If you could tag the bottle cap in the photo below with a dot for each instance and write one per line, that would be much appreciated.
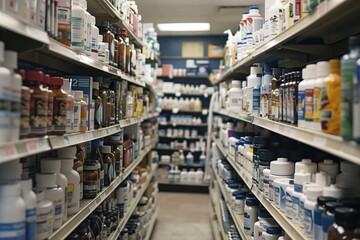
(34, 76)
(235, 84)
(251, 202)
(106, 149)
(332, 191)
(306, 165)
(267, 69)
(311, 71)
(354, 41)
(349, 168)
(56, 81)
(254, 8)
(67, 152)
(282, 167)
(240, 196)
(50, 165)
(48, 179)
(347, 217)
(11, 171)
(273, 230)
(330, 167)
(67, 164)
(312, 193)
(323, 200)
(332, 205)
(78, 95)
(302, 177)
(26, 185)
(322, 179)
(40, 194)
(322, 69)
(11, 60)
(10, 189)
(266, 154)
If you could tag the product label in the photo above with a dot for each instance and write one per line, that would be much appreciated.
(83, 118)
(44, 223)
(276, 21)
(94, 44)
(289, 206)
(317, 104)
(347, 73)
(77, 32)
(77, 115)
(69, 116)
(256, 101)
(308, 221)
(301, 105)
(292, 98)
(14, 230)
(247, 223)
(283, 199)
(90, 188)
(309, 105)
(59, 116)
(302, 213)
(271, 191)
(58, 208)
(38, 112)
(71, 200)
(296, 209)
(277, 196)
(30, 223)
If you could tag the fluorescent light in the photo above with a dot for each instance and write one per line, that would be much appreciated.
(182, 27)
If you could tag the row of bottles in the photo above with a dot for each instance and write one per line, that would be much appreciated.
(185, 104)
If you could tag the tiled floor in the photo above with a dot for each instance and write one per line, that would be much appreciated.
(183, 216)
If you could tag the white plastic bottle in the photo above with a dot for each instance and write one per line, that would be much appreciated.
(12, 208)
(254, 20)
(77, 26)
(250, 215)
(5, 96)
(15, 87)
(94, 38)
(101, 49)
(87, 28)
(322, 71)
(44, 216)
(349, 179)
(330, 167)
(289, 200)
(199, 175)
(234, 95)
(73, 187)
(276, 16)
(191, 175)
(265, 92)
(177, 174)
(307, 166)
(78, 95)
(309, 96)
(29, 198)
(312, 194)
(53, 165)
(301, 99)
(70, 101)
(184, 177)
(272, 233)
(300, 178)
(281, 168)
(53, 193)
(254, 79)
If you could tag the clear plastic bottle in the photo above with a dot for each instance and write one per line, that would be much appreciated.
(77, 26)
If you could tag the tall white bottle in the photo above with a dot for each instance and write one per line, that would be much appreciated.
(322, 71)
(78, 26)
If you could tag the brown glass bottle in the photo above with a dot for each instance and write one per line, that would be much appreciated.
(122, 48)
(116, 47)
(108, 159)
(128, 56)
(50, 105)
(99, 109)
(59, 113)
(346, 221)
(25, 107)
(104, 87)
(108, 36)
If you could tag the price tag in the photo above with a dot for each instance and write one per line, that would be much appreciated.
(113, 70)
(8, 151)
(319, 140)
(42, 144)
(32, 146)
(93, 206)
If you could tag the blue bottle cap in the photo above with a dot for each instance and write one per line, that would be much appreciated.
(273, 230)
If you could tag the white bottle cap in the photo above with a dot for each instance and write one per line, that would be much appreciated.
(93, 20)
(2, 47)
(332, 191)
(78, 95)
(304, 73)
(308, 185)
(47, 179)
(322, 179)
(106, 149)
(68, 152)
(50, 165)
(349, 168)
(330, 167)
(40, 194)
(26, 185)
(11, 60)
(100, 38)
(311, 71)
(67, 164)
(312, 193)
(235, 84)
(306, 165)
(10, 189)
(302, 177)
(282, 167)
(11, 170)
(322, 69)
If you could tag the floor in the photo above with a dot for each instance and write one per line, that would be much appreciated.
(183, 216)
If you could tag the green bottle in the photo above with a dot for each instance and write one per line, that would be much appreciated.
(348, 66)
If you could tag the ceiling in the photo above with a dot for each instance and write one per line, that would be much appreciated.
(221, 14)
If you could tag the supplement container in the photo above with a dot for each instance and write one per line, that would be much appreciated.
(318, 212)
(250, 215)
(266, 180)
(322, 179)
(265, 157)
(332, 191)
(50, 104)
(53, 193)
(279, 187)
(29, 198)
(299, 179)
(109, 162)
(234, 96)
(272, 233)
(328, 216)
(312, 193)
(13, 211)
(70, 101)
(44, 216)
(307, 166)
(73, 187)
(91, 179)
(281, 168)
(330, 167)
(289, 200)
(239, 203)
(345, 227)
(60, 101)
(302, 201)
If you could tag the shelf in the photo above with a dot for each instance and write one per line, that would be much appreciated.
(152, 224)
(180, 94)
(182, 124)
(182, 165)
(189, 138)
(174, 149)
(128, 122)
(131, 208)
(335, 16)
(182, 77)
(103, 10)
(150, 116)
(234, 115)
(328, 143)
(289, 227)
(177, 110)
(237, 218)
(215, 225)
(23, 148)
(196, 184)
(88, 206)
(186, 58)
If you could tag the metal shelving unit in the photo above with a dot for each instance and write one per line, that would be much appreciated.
(182, 165)
(189, 138)
(182, 124)
(215, 213)
(151, 224)
(180, 94)
(234, 115)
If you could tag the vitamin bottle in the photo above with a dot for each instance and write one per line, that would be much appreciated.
(108, 37)
(344, 227)
(64, 13)
(275, 94)
(301, 99)
(94, 38)
(265, 91)
(70, 102)
(77, 109)
(50, 105)
(25, 108)
(101, 49)
(129, 105)
(117, 149)
(53, 193)
(309, 96)
(29, 198)
(312, 194)
(300, 178)
(44, 216)
(15, 94)
(87, 28)
(98, 121)
(91, 179)
(95, 154)
(293, 97)
(77, 26)
(52, 165)
(121, 34)
(108, 165)
(38, 102)
(322, 71)
(348, 66)
(234, 96)
(250, 215)
(73, 187)
(13, 212)
(60, 101)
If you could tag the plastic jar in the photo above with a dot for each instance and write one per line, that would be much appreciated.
(38, 103)
(250, 215)
(53, 165)
(91, 179)
(29, 198)
(279, 187)
(272, 233)
(307, 166)
(12, 208)
(312, 194)
(44, 216)
(330, 167)
(73, 187)
(281, 168)
(53, 193)
(318, 212)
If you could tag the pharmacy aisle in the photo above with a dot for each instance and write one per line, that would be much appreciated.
(183, 216)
